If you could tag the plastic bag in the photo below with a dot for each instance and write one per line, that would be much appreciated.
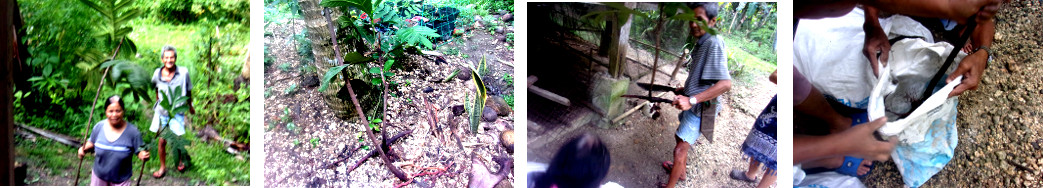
(828, 53)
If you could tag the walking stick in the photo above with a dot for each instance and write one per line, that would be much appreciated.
(141, 173)
(86, 131)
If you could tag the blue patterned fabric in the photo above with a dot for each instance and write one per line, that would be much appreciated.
(761, 144)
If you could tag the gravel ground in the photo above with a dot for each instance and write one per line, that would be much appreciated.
(1000, 123)
(296, 157)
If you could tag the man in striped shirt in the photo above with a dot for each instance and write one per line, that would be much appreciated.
(707, 78)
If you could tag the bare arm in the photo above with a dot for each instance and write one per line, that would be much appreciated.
(857, 141)
(972, 67)
(717, 89)
(88, 146)
(958, 10)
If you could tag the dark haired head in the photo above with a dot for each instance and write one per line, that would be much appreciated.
(113, 99)
(710, 7)
(583, 162)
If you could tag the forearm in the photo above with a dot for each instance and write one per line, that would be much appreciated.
(716, 90)
(89, 146)
(807, 148)
(947, 9)
(983, 33)
(872, 18)
(816, 106)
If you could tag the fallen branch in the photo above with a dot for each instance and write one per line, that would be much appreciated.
(53, 136)
(438, 171)
(374, 152)
(432, 119)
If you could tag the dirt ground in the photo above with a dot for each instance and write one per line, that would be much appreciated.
(641, 143)
(1000, 123)
(296, 157)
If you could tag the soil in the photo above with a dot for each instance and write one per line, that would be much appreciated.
(296, 155)
(999, 124)
(641, 143)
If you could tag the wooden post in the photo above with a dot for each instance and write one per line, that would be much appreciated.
(7, 36)
(618, 47)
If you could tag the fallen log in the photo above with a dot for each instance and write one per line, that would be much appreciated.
(67, 140)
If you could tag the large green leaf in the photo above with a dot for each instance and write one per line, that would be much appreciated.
(478, 102)
(356, 57)
(417, 34)
(329, 76)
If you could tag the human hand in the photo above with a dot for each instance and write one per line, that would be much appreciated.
(80, 152)
(681, 102)
(143, 155)
(971, 68)
(876, 44)
(863, 144)
(988, 10)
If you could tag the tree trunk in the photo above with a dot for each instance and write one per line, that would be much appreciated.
(319, 35)
(735, 15)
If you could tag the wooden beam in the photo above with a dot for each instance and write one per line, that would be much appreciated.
(550, 95)
(67, 140)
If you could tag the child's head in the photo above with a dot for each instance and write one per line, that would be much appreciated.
(704, 11)
(582, 162)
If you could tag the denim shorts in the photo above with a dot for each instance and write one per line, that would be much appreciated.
(689, 128)
(177, 126)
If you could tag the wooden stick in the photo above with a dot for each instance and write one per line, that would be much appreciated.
(634, 109)
(549, 95)
(90, 117)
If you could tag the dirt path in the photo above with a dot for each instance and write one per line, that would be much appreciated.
(296, 155)
(641, 143)
(1000, 123)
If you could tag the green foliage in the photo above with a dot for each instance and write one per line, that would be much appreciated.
(510, 38)
(304, 49)
(291, 89)
(280, 11)
(116, 15)
(374, 123)
(285, 67)
(314, 142)
(417, 34)
(174, 102)
(194, 11)
(130, 79)
(477, 104)
(325, 82)
(268, 57)
(507, 78)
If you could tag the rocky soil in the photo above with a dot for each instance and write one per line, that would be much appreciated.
(298, 153)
